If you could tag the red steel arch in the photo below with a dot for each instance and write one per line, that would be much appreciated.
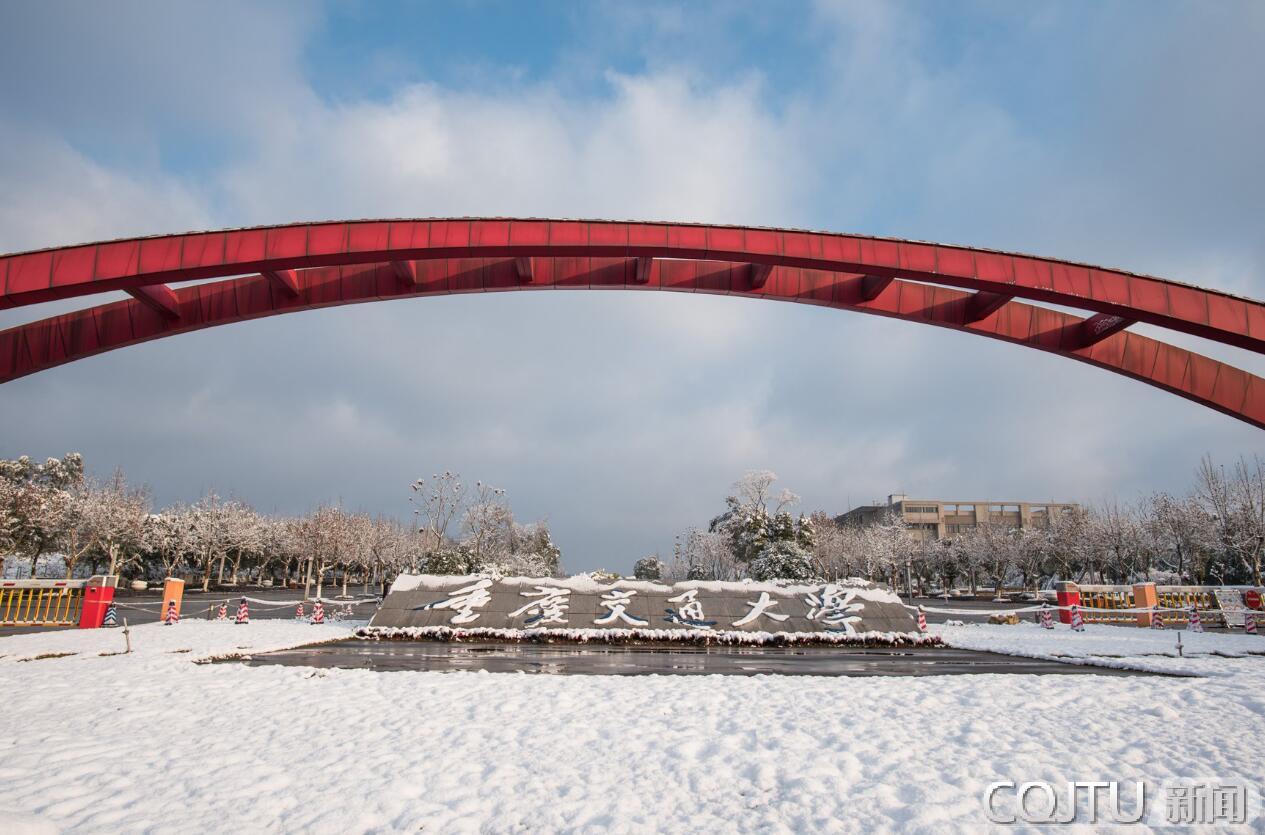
(286, 268)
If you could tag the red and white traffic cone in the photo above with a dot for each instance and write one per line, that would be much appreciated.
(1249, 623)
(1078, 623)
(299, 614)
(243, 613)
(1047, 617)
(172, 617)
(922, 620)
(222, 614)
(318, 612)
(1195, 625)
(1156, 621)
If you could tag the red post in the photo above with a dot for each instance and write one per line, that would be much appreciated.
(98, 594)
(1068, 594)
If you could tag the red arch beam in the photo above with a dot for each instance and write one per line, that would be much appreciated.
(31, 277)
(36, 346)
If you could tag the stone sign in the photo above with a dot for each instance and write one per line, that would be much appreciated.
(844, 608)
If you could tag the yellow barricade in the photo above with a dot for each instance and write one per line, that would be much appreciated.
(40, 602)
(1096, 599)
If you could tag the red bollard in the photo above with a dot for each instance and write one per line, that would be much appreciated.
(1068, 594)
(98, 594)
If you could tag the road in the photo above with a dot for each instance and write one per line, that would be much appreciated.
(144, 607)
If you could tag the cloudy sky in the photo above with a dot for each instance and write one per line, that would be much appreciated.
(1126, 134)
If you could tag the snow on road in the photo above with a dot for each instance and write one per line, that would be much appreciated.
(1124, 647)
(152, 742)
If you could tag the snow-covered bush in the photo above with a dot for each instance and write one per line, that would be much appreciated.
(601, 575)
(784, 560)
(648, 568)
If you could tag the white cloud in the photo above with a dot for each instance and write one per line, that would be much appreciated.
(55, 195)
(657, 147)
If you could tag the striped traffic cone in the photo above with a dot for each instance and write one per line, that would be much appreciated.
(299, 614)
(222, 612)
(111, 616)
(318, 612)
(1194, 624)
(1078, 623)
(922, 620)
(172, 617)
(1047, 617)
(1156, 621)
(243, 613)
(1249, 623)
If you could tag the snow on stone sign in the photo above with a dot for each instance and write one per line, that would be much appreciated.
(844, 607)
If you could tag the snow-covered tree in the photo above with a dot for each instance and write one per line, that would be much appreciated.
(704, 555)
(1184, 533)
(38, 504)
(436, 503)
(208, 526)
(120, 513)
(784, 559)
(486, 525)
(1236, 502)
(168, 541)
(649, 568)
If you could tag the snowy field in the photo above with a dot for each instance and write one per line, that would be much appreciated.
(154, 742)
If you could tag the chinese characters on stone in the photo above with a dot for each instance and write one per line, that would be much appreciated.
(550, 606)
(616, 601)
(834, 607)
(831, 607)
(690, 611)
(465, 601)
(760, 608)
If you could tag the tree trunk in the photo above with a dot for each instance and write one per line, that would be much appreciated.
(219, 579)
(237, 564)
(307, 579)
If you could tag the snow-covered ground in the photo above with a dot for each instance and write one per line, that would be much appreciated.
(153, 742)
(1130, 648)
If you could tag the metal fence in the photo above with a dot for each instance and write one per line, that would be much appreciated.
(40, 602)
(1098, 601)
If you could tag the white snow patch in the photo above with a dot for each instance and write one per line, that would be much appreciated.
(587, 585)
(1122, 647)
(151, 742)
(189, 640)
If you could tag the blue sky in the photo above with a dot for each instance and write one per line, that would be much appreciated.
(1120, 133)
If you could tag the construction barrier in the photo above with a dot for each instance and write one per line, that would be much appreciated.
(41, 602)
(1145, 605)
(1124, 604)
(1100, 604)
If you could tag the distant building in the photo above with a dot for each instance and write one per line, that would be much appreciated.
(938, 519)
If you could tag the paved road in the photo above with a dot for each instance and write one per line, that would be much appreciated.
(572, 659)
(144, 607)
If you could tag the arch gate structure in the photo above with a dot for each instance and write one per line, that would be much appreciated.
(251, 273)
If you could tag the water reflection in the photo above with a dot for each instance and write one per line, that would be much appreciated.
(591, 659)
